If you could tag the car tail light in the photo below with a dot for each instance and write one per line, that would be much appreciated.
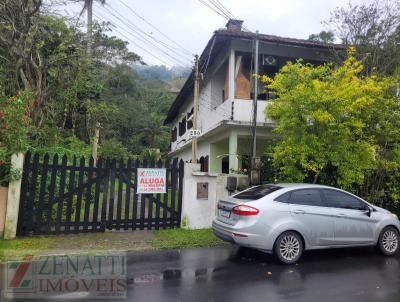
(244, 210)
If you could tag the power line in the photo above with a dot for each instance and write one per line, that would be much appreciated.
(140, 31)
(137, 45)
(147, 22)
(144, 40)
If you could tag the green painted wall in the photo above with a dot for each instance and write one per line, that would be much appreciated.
(216, 149)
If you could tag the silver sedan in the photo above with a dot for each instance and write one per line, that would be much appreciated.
(286, 219)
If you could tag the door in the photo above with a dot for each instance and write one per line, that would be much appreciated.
(351, 223)
(309, 210)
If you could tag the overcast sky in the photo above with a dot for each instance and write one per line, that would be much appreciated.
(191, 24)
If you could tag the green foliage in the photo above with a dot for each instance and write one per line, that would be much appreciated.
(336, 125)
(114, 149)
(14, 127)
(323, 36)
(151, 155)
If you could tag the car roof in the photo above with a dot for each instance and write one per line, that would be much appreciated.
(301, 185)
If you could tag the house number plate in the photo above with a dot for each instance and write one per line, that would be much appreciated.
(194, 133)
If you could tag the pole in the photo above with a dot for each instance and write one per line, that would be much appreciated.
(253, 155)
(89, 30)
(95, 143)
(195, 107)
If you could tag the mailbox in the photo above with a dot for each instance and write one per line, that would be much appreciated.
(202, 190)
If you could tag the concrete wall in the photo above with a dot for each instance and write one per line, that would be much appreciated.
(199, 213)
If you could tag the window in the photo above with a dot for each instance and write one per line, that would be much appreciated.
(309, 197)
(182, 127)
(283, 198)
(189, 116)
(342, 200)
(257, 192)
(173, 135)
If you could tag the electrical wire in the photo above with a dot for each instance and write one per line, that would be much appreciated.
(159, 31)
(140, 36)
(137, 45)
(142, 32)
(144, 40)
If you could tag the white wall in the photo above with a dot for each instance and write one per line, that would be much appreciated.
(243, 110)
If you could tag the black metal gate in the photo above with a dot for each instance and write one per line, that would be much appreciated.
(64, 196)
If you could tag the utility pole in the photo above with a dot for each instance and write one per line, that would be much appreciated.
(95, 143)
(254, 176)
(195, 107)
(89, 30)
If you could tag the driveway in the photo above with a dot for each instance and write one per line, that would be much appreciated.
(230, 274)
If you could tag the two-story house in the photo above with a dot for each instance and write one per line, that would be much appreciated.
(226, 93)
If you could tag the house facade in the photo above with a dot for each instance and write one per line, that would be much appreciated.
(226, 96)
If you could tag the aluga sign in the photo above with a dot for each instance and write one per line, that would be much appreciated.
(151, 181)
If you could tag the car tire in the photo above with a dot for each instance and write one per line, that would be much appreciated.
(288, 247)
(389, 241)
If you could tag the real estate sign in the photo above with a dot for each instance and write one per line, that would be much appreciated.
(151, 180)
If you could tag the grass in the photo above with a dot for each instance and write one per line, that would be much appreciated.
(20, 247)
(183, 238)
(161, 239)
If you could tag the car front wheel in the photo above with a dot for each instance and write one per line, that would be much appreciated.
(289, 247)
(389, 241)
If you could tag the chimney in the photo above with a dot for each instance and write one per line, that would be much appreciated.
(234, 25)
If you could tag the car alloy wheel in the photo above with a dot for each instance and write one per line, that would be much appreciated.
(289, 247)
(389, 241)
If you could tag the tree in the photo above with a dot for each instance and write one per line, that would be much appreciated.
(374, 29)
(323, 36)
(334, 123)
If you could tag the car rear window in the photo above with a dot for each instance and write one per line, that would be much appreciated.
(257, 192)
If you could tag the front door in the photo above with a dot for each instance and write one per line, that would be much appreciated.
(313, 215)
(351, 223)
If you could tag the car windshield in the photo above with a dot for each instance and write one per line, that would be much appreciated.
(257, 192)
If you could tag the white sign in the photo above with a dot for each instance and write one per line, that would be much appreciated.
(194, 133)
(151, 181)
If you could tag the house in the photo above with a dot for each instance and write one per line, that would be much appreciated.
(226, 93)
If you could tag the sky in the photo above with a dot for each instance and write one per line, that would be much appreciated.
(190, 23)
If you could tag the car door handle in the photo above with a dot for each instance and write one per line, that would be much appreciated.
(341, 215)
(299, 212)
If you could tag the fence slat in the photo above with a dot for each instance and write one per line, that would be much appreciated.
(174, 181)
(70, 198)
(41, 201)
(166, 195)
(158, 200)
(79, 195)
(119, 196)
(88, 196)
(112, 193)
(98, 170)
(128, 193)
(21, 227)
(32, 195)
(135, 196)
(60, 202)
(143, 203)
(105, 195)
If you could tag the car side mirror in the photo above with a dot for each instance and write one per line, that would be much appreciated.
(368, 211)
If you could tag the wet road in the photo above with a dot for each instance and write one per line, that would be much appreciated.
(230, 274)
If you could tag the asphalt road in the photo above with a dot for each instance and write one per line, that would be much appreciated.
(231, 274)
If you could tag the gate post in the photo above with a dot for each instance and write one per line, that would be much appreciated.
(14, 192)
